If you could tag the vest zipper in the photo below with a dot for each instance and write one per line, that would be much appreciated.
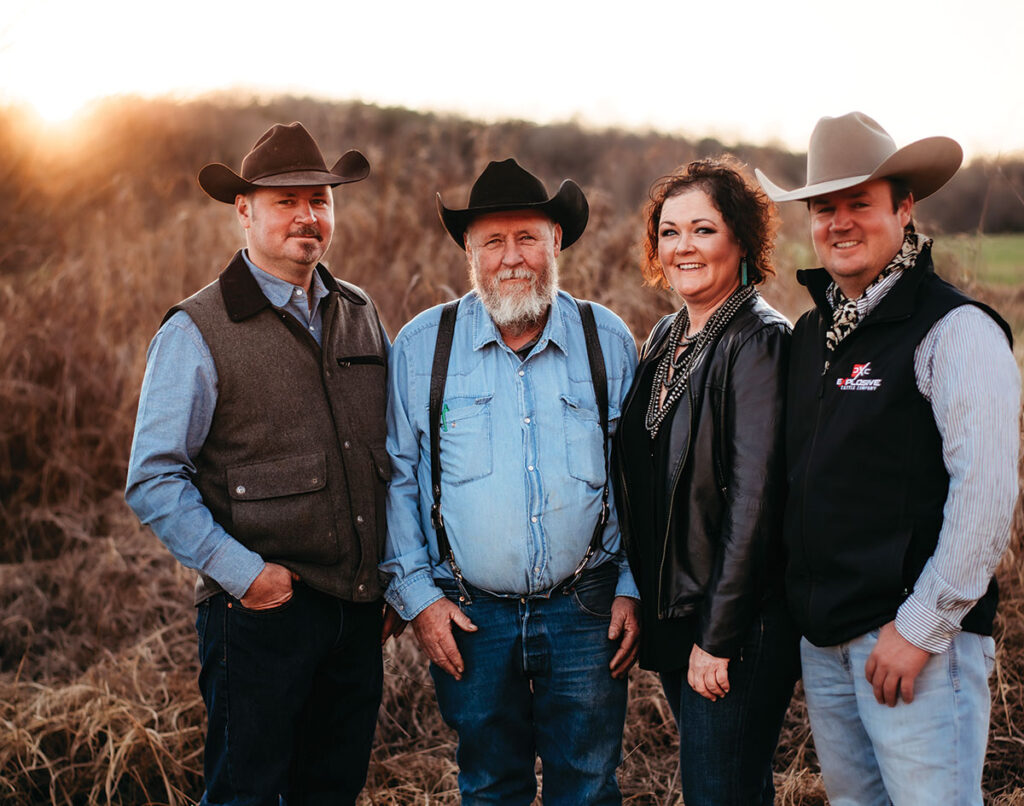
(349, 360)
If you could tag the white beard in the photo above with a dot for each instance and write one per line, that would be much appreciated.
(521, 308)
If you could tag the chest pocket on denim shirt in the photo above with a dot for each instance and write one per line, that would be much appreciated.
(467, 448)
(584, 453)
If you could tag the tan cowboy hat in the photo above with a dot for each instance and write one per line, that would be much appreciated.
(853, 148)
(285, 156)
(505, 186)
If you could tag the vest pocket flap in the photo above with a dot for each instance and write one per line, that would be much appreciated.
(279, 477)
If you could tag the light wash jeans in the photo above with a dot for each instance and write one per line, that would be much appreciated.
(924, 753)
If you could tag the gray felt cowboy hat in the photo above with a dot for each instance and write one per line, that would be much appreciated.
(285, 156)
(507, 186)
(853, 148)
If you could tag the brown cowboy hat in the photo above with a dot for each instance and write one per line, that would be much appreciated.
(853, 148)
(507, 186)
(285, 156)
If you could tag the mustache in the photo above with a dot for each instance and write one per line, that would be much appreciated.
(306, 232)
(516, 274)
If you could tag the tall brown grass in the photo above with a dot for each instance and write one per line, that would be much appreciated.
(99, 233)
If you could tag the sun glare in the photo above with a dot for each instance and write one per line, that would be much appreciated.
(56, 109)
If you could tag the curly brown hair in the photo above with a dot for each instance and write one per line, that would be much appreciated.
(744, 207)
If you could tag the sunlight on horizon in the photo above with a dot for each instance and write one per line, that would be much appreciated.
(755, 75)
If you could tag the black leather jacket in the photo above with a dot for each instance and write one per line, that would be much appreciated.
(720, 549)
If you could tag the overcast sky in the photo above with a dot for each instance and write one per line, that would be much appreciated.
(759, 71)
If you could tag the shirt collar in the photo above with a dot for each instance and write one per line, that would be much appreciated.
(485, 331)
(279, 291)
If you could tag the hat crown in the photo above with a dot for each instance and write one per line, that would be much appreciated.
(283, 149)
(847, 146)
(506, 182)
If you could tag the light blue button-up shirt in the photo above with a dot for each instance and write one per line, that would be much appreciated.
(179, 395)
(521, 455)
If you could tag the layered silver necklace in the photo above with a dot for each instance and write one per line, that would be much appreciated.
(673, 372)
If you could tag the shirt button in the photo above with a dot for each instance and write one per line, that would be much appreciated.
(240, 490)
(536, 571)
(521, 373)
(529, 467)
(298, 292)
(526, 420)
(346, 444)
(359, 518)
(533, 519)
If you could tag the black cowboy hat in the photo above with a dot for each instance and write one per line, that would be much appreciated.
(507, 186)
(285, 156)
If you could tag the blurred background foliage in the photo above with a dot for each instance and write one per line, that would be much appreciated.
(103, 227)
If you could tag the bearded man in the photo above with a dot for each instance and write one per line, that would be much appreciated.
(516, 585)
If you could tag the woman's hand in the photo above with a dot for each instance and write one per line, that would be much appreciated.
(708, 675)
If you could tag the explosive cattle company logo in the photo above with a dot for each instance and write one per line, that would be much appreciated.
(859, 380)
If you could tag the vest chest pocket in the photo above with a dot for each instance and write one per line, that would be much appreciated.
(359, 393)
(281, 509)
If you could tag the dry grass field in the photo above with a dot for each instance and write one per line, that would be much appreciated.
(101, 229)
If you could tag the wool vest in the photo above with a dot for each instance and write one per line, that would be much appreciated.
(867, 483)
(294, 465)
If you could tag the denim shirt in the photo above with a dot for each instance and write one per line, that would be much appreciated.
(176, 405)
(521, 456)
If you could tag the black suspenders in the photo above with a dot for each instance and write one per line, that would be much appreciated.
(438, 377)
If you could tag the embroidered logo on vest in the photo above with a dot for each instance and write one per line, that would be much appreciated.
(859, 380)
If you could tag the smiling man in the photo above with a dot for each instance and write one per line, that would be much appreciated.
(259, 461)
(902, 444)
(502, 543)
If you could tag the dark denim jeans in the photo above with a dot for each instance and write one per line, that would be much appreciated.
(292, 696)
(726, 747)
(537, 683)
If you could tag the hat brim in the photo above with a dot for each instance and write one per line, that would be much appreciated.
(223, 184)
(926, 165)
(568, 208)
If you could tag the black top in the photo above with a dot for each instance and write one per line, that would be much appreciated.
(867, 482)
(664, 642)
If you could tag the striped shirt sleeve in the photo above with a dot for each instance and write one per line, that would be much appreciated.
(966, 370)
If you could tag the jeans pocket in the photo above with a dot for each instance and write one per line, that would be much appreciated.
(988, 650)
(267, 612)
(594, 593)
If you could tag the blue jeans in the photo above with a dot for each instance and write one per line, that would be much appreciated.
(726, 747)
(291, 695)
(537, 682)
(926, 752)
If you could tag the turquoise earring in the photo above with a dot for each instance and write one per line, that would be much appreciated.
(743, 272)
